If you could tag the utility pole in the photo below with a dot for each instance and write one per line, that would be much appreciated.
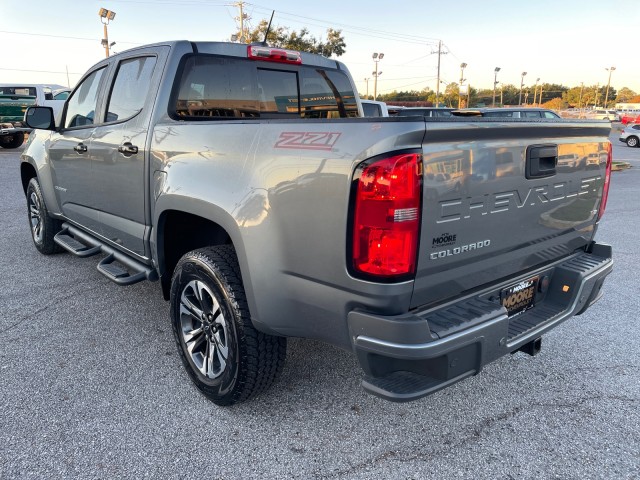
(595, 103)
(242, 38)
(438, 84)
(580, 98)
(366, 81)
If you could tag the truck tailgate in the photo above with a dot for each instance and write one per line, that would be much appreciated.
(497, 202)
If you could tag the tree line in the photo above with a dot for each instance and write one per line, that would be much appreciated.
(548, 95)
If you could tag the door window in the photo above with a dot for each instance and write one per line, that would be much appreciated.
(81, 107)
(130, 88)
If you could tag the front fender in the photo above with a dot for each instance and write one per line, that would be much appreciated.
(36, 154)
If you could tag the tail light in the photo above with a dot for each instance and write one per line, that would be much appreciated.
(387, 216)
(607, 181)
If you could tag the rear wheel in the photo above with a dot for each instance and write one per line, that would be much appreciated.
(12, 141)
(225, 356)
(43, 227)
(632, 141)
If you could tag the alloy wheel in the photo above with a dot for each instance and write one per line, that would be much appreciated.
(204, 329)
(35, 217)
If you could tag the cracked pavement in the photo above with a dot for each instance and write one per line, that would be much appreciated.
(92, 386)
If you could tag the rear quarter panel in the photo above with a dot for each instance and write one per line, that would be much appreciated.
(281, 190)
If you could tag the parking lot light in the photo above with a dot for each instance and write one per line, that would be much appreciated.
(376, 58)
(606, 97)
(495, 83)
(521, 85)
(105, 17)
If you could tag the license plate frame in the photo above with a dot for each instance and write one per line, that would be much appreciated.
(519, 297)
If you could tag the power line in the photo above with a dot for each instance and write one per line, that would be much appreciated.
(62, 36)
(354, 29)
(40, 71)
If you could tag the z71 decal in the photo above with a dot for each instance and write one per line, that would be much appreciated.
(308, 140)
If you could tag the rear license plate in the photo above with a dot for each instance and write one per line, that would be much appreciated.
(520, 297)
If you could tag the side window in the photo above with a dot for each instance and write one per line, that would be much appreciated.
(371, 110)
(533, 114)
(326, 94)
(130, 88)
(81, 107)
(498, 114)
(61, 96)
(549, 115)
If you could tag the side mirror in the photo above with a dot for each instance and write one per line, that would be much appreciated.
(40, 117)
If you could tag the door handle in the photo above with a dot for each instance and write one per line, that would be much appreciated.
(127, 149)
(541, 161)
(80, 148)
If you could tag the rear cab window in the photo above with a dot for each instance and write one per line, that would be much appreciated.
(212, 86)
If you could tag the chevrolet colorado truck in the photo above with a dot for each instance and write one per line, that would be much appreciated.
(247, 181)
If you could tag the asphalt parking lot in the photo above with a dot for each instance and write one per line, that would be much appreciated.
(92, 386)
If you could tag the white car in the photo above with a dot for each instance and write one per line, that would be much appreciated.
(602, 114)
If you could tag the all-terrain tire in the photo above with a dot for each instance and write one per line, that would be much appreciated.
(227, 359)
(43, 227)
(12, 141)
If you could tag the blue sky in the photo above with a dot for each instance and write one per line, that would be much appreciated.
(558, 41)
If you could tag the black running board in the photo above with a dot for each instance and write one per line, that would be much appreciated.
(83, 244)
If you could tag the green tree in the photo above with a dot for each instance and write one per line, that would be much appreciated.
(302, 40)
(624, 95)
(406, 96)
(549, 91)
(556, 104)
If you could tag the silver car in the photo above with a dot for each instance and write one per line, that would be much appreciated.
(631, 135)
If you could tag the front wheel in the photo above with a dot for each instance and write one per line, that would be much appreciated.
(225, 356)
(43, 227)
(12, 141)
(632, 141)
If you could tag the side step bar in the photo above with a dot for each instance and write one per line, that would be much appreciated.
(82, 244)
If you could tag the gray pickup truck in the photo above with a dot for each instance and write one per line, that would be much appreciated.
(246, 180)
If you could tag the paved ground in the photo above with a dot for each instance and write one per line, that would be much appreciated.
(92, 387)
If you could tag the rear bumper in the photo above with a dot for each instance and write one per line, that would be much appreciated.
(409, 356)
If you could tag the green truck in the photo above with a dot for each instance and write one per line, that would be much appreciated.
(14, 101)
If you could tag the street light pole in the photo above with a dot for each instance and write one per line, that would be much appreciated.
(462, 79)
(366, 81)
(606, 97)
(105, 16)
(521, 85)
(376, 58)
(535, 91)
(495, 82)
